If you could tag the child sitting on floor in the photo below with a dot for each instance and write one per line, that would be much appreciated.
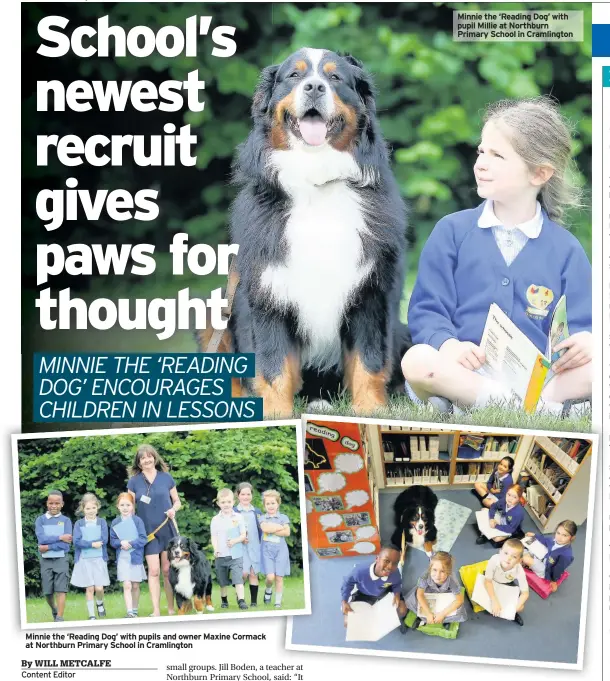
(370, 582)
(506, 516)
(559, 556)
(438, 579)
(505, 568)
(499, 481)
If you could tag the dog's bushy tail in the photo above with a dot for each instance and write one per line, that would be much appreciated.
(402, 342)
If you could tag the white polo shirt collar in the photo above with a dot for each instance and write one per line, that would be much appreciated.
(531, 228)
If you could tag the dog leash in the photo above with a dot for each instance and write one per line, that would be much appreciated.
(232, 281)
(151, 536)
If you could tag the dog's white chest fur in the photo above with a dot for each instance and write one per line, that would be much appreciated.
(324, 264)
(185, 585)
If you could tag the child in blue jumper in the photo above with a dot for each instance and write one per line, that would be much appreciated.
(129, 548)
(54, 534)
(506, 515)
(498, 482)
(90, 554)
(252, 542)
(559, 556)
(511, 250)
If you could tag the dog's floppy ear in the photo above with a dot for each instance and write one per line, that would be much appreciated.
(264, 91)
(364, 82)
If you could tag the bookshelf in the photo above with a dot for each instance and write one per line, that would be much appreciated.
(411, 455)
(559, 470)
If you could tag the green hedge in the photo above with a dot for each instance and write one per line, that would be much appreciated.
(201, 463)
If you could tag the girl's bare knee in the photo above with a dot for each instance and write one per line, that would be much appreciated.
(418, 363)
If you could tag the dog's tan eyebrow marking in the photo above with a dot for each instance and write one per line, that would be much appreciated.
(301, 65)
(329, 67)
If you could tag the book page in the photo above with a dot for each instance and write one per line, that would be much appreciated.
(437, 603)
(512, 359)
(371, 622)
(507, 595)
(536, 548)
(485, 528)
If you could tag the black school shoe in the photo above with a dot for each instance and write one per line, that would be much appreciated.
(519, 619)
(416, 623)
(242, 604)
(481, 540)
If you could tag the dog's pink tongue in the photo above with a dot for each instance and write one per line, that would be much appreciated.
(313, 130)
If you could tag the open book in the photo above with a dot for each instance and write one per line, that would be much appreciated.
(485, 528)
(536, 548)
(372, 622)
(512, 358)
(437, 603)
(507, 595)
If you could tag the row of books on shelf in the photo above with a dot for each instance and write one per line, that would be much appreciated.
(486, 447)
(416, 448)
(424, 475)
(570, 452)
(472, 472)
(539, 502)
(548, 475)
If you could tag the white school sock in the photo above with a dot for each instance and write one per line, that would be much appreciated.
(278, 597)
(550, 408)
(90, 607)
(492, 392)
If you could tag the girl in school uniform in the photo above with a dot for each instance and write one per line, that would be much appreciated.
(129, 551)
(512, 250)
(275, 527)
(438, 579)
(497, 484)
(252, 544)
(559, 556)
(506, 516)
(90, 539)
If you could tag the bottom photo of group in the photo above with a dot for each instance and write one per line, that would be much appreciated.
(388, 539)
(123, 525)
(466, 542)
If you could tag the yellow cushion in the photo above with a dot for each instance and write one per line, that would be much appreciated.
(469, 573)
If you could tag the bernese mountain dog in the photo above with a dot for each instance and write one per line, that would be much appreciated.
(414, 519)
(321, 229)
(190, 575)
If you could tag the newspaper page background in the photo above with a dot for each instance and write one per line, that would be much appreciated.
(270, 651)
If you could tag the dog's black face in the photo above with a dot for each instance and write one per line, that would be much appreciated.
(315, 97)
(180, 549)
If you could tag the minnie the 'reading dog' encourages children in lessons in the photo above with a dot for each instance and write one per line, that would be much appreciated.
(512, 244)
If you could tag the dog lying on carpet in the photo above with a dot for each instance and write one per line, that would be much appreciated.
(190, 575)
(414, 519)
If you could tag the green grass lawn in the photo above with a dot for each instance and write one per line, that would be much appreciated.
(400, 408)
(76, 609)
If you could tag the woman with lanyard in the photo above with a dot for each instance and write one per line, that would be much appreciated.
(157, 502)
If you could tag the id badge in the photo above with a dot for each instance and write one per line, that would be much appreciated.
(144, 499)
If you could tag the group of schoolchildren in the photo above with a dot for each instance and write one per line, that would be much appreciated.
(371, 582)
(246, 542)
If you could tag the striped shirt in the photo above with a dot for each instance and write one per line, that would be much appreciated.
(510, 240)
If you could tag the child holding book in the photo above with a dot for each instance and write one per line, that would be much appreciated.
(90, 554)
(276, 560)
(228, 533)
(506, 515)
(499, 481)
(512, 250)
(438, 579)
(54, 534)
(559, 554)
(505, 568)
(128, 537)
(370, 582)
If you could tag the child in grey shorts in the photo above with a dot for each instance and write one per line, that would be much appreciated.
(228, 532)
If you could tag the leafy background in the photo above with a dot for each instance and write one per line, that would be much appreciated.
(201, 462)
(432, 92)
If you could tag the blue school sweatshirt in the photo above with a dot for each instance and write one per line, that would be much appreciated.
(80, 543)
(506, 482)
(462, 272)
(137, 545)
(362, 578)
(52, 541)
(511, 520)
(557, 561)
